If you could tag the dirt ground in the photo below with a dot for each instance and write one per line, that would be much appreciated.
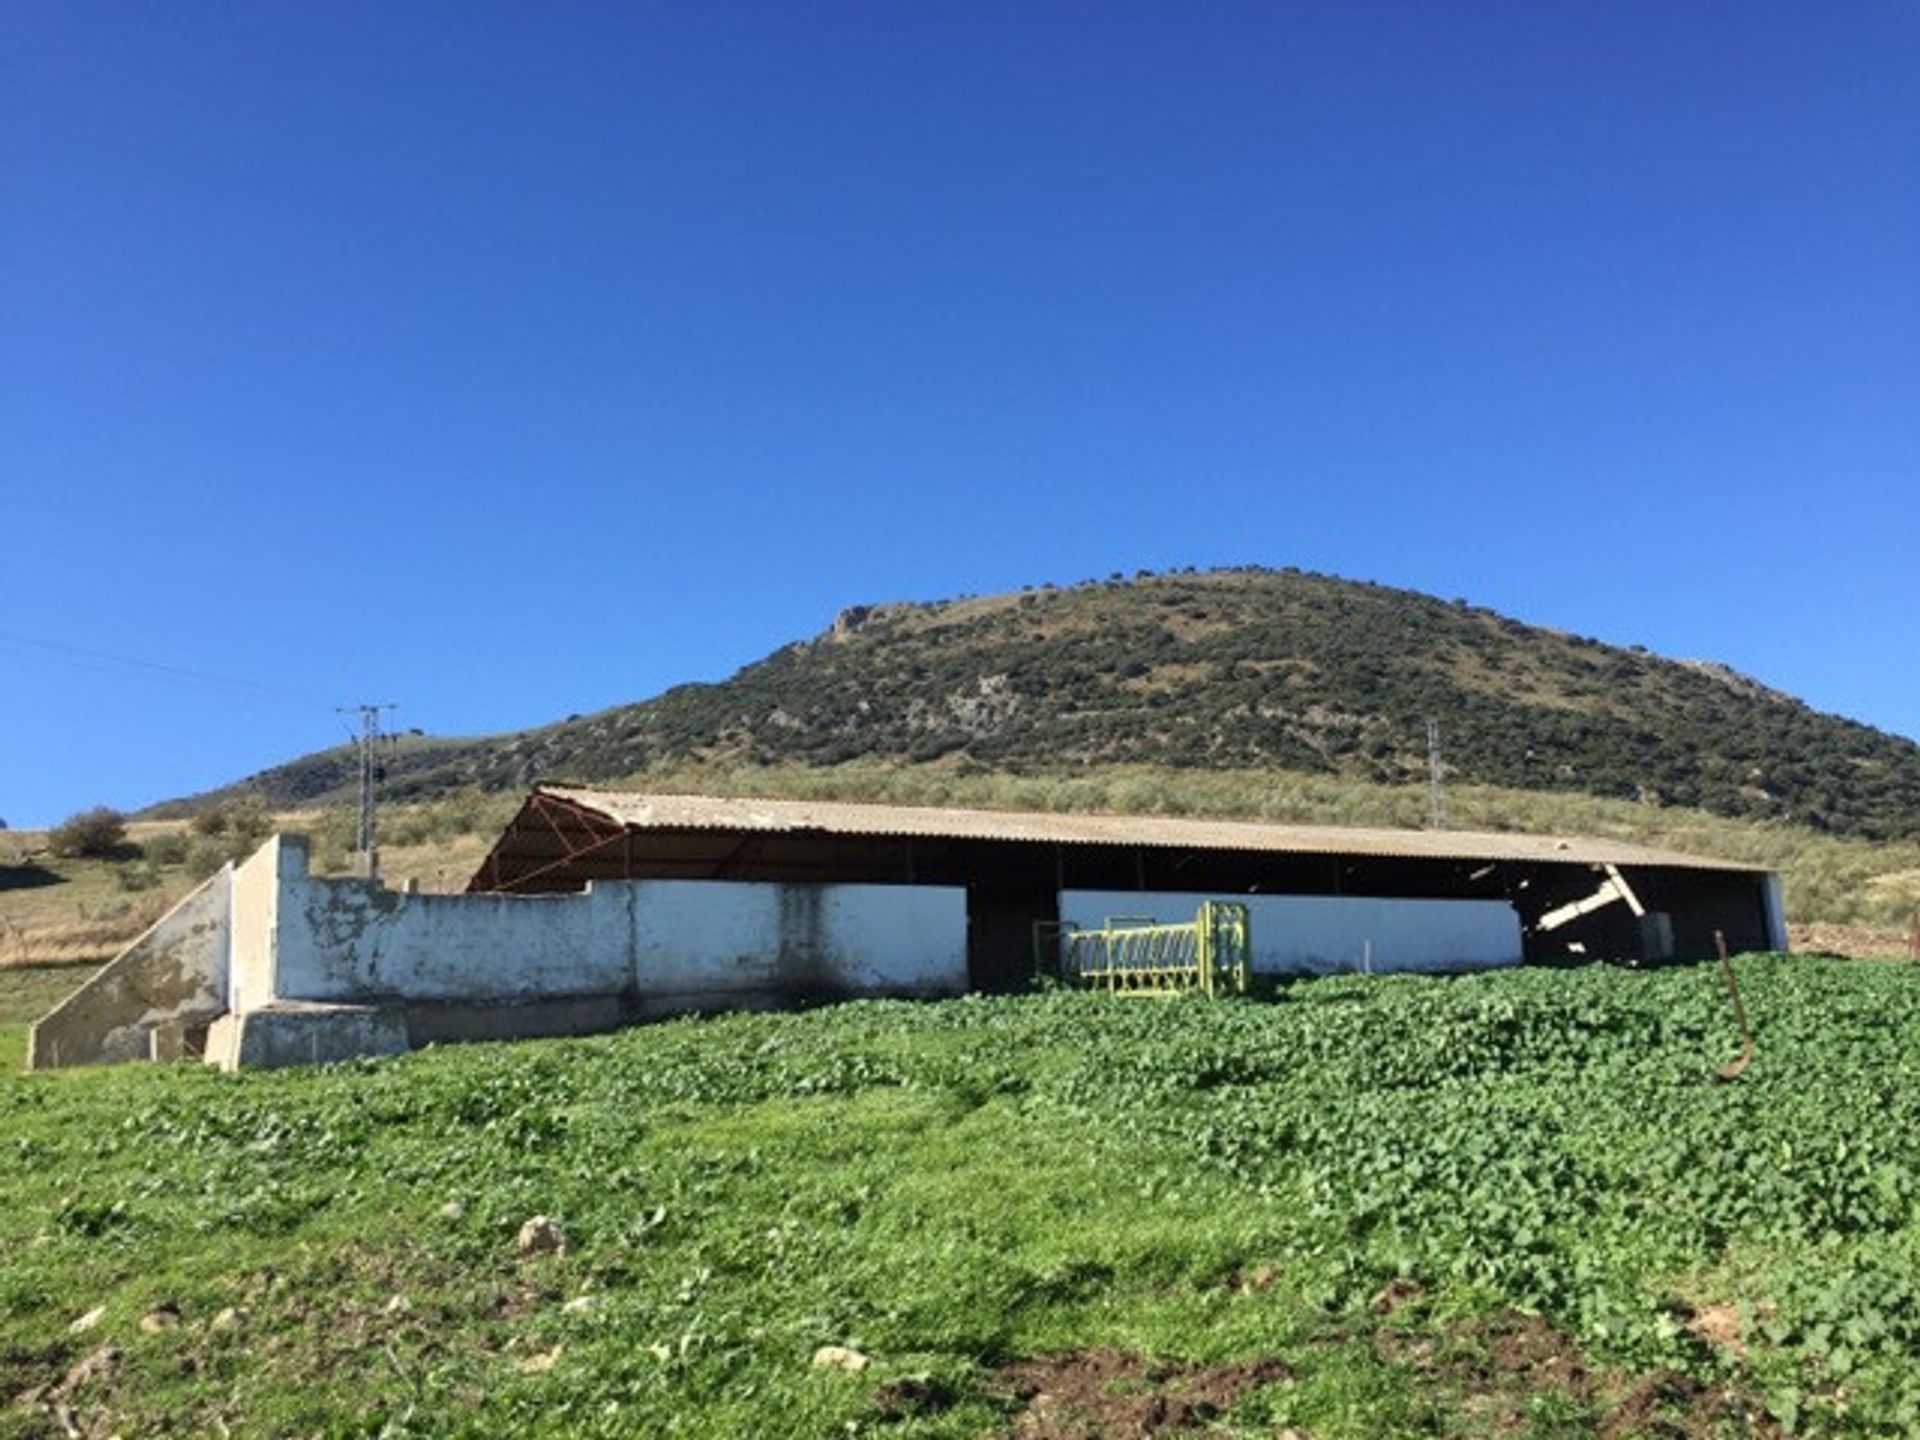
(1113, 1395)
(1502, 1363)
(1858, 942)
(1489, 1374)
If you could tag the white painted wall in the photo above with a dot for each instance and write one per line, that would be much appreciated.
(255, 917)
(1325, 934)
(703, 936)
(356, 941)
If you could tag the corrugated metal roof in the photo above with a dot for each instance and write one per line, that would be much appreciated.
(833, 817)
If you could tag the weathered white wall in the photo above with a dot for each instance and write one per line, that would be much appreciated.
(353, 940)
(256, 917)
(1323, 934)
(707, 936)
(175, 974)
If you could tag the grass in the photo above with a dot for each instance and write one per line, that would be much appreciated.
(56, 910)
(26, 993)
(1498, 1205)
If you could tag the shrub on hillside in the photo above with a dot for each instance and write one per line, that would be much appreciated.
(167, 848)
(93, 833)
(205, 855)
(136, 875)
(249, 822)
(245, 820)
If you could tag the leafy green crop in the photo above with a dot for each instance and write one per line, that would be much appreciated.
(948, 1186)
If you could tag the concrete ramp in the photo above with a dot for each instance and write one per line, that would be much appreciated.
(152, 1001)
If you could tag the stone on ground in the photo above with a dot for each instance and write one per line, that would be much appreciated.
(840, 1357)
(542, 1235)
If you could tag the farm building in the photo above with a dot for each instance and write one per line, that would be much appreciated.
(595, 908)
(1561, 896)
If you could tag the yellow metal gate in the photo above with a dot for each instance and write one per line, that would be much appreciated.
(1140, 956)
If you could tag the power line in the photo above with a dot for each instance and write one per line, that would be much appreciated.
(105, 660)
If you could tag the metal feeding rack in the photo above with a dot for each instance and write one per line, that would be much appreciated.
(1138, 955)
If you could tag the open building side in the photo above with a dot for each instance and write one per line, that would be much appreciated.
(598, 908)
(1567, 896)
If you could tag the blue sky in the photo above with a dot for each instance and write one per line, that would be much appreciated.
(507, 361)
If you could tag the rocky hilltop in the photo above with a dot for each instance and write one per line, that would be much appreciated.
(1233, 668)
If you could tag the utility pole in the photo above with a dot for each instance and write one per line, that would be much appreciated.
(1436, 780)
(365, 843)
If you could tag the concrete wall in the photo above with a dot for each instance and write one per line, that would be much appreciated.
(1323, 934)
(172, 979)
(708, 937)
(256, 918)
(295, 1034)
(354, 941)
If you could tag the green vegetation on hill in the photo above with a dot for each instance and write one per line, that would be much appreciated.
(1513, 1204)
(1242, 669)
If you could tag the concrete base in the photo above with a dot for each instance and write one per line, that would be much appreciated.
(441, 1022)
(436, 1023)
(176, 1041)
(296, 1033)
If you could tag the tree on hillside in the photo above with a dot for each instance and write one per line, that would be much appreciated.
(96, 832)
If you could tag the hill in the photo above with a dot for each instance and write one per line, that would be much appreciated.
(1237, 669)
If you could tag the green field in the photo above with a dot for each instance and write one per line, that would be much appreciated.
(1512, 1204)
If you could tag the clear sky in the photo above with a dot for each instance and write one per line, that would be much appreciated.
(513, 360)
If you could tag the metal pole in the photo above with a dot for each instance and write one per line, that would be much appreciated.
(1733, 1068)
(1436, 780)
(365, 833)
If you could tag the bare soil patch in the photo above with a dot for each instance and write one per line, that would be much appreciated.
(1719, 1326)
(1114, 1395)
(1502, 1363)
